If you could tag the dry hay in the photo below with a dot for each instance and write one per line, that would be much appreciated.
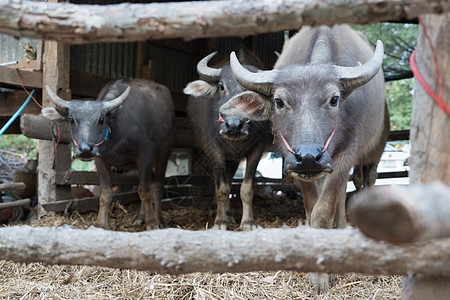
(36, 281)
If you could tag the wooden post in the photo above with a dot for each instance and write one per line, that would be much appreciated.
(430, 151)
(56, 74)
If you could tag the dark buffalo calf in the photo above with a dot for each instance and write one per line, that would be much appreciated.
(129, 126)
(225, 139)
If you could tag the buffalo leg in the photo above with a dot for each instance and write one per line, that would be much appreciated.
(310, 194)
(104, 170)
(248, 191)
(231, 167)
(144, 190)
(324, 213)
(222, 196)
(157, 188)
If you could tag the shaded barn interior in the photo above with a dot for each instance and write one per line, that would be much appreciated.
(169, 62)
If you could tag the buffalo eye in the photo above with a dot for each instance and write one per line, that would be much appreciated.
(101, 120)
(334, 100)
(220, 87)
(278, 102)
(71, 120)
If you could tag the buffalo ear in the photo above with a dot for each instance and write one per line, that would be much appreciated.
(248, 105)
(54, 114)
(200, 88)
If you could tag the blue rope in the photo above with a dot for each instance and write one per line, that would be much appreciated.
(16, 114)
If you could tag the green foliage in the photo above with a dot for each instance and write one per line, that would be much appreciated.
(18, 144)
(399, 100)
(399, 41)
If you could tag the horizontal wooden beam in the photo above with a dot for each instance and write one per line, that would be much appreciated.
(39, 127)
(398, 135)
(176, 251)
(13, 204)
(81, 24)
(91, 178)
(15, 76)
(403, 214)
(82, 84)
(11, 102)
(82, 205)
(15, 186)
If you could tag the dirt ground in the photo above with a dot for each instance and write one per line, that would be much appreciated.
(37, 281)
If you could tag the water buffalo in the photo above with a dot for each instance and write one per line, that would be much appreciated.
(130, 126)
(225, 139)
(325, 98)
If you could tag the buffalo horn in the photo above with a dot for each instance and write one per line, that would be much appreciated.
(59, 102)
(208, 73)
(260, 82)
(353, 77)
(112, 104)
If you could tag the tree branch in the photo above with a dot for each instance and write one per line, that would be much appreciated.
(80, 24)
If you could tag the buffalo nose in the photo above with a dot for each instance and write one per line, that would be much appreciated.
(234, 126)
(86, 148)
(310, 158)
(308, 155)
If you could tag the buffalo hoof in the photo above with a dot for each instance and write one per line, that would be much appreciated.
(138, 222)
(248, 225)
(152, 226)
(101, 225)
(221, 226)
(320, 282)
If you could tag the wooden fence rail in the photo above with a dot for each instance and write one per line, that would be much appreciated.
(80, 24)
(175, 251)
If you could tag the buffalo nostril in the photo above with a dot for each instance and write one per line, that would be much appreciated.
(84, 147)
(319, 156)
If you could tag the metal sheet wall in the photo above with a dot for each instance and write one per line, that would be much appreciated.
(11, 48)
(113, 60)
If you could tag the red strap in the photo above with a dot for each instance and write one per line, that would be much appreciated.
(289, 148)
(98, 144)
(220, 119)
(412, 61)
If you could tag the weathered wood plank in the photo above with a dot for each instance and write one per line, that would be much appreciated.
(403, 214)
(14, 76)
(430, 151)
(17, 203)
(11, 102)
(175, 251)
(82, 205)
(91, 178)
(12, 186)
(39, 127)
(78, 24)
(51, 161)
(82, 84)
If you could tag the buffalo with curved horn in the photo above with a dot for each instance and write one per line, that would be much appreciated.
(129, 126)
(325, 98)
(223, 140)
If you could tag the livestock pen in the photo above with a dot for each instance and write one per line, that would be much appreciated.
(57, 75)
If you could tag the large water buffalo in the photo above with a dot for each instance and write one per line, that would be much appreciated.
(130, 126)
(325, 97)
(225, 139)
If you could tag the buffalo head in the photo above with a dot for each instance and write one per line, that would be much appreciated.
(219, 85)
(88, 121)
(310, 108)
